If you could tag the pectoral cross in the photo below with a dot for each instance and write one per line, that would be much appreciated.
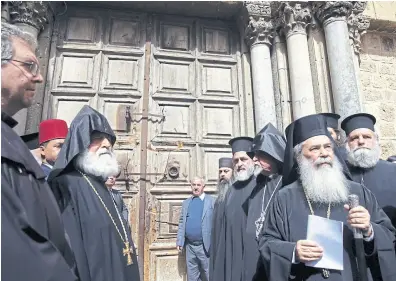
(259, 224)
(127, 251)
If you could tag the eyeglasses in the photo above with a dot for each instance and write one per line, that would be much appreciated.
(31, 66)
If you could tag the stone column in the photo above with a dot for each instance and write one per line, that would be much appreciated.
(31, 17)
(357, 26)
(258, 36)
(333, 16)
(295, 16)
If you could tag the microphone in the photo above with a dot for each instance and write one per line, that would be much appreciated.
(353, 201)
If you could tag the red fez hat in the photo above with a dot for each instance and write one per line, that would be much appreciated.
(52, 129)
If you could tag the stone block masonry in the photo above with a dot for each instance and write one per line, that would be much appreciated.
(378, 83)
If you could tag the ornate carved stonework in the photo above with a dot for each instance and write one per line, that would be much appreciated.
(294, 17)
(28, 12)
(357, 24)
(259, 29)
(332, 9)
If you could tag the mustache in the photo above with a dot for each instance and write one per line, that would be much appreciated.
(322, 160)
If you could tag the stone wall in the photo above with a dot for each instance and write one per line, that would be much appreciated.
(378, 84)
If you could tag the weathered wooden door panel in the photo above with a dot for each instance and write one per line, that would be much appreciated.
(196, 104)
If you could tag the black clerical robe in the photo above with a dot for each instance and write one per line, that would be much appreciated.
(229, 232)
(381, 181)
(217, 243)
(97, 246)
(253, 206)
(287, 223)
(33, 242)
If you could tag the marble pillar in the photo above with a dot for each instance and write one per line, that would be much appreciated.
(295, 16)
(344, 80)
(358, 25)
(258, 36)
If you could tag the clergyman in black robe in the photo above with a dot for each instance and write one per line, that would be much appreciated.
(268, 146)
(33, 241)
(364, 162)
(217, 241)
(316, 183)
(102, 245)
(228, 264)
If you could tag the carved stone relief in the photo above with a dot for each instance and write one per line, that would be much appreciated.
(295, 17)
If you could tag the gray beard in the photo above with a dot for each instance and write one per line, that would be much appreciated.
(244, 175)
(257, 170)
(101, 164)
(364, 157)
(222, 188)
(323, 184)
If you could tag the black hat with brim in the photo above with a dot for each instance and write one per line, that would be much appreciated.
(358, 121)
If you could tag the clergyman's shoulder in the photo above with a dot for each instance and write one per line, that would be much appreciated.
(69, 178)
(289, 190)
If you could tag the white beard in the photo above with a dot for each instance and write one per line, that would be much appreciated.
(364, 157)
(103, 163)
(257, 170)
(323, 184)
(222, 188)
(244, 175)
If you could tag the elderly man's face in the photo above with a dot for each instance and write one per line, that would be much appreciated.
(197, 186)
(18, 85)
(361, 138)
(100, 143)
(241, 161)
(225, 174)
(318, 147)
(267, 163)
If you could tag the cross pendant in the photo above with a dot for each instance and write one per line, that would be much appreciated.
(127, 251)
(325, 273)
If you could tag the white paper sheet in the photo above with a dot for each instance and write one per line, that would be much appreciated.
(329, 235)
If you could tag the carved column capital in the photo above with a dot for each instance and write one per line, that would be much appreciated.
(294, 17)
(259, 28)
(357, 25)
(34, 14)
(330, 10)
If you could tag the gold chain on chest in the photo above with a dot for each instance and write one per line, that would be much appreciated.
(128, 249)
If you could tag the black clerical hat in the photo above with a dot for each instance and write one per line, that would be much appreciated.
(242, 144)
(225, 163)
(299, 131)
(358, 121)
(332, 119)
(31, 140)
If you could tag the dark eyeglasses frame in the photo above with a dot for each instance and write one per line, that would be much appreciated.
(33, 67)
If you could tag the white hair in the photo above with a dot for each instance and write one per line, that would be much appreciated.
(102, 163)
(322, 183)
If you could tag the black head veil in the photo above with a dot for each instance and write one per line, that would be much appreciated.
(270, 141)
(87, 121)
(299, 131)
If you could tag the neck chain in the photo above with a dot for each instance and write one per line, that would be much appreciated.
(260, 221)
(325, 272)
(128, 250)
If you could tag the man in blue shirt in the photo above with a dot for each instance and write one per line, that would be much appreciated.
(194, 230)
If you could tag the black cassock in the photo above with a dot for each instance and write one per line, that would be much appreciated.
(217, 241)
(287, 223)
(253, 207)
(96, 244)
(33, 242)
(227, 262)
(381, 181)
